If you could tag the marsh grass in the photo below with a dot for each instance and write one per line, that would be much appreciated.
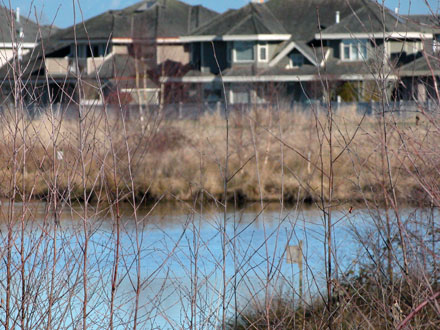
(169, 158)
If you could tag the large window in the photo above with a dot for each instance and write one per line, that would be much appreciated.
(354, 50)
(244, 51)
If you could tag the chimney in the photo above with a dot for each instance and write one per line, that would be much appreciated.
(338, 17)
(17, 15)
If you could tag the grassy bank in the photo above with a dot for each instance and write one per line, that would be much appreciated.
(274, 155)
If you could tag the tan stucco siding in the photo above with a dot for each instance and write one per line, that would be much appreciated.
(177, 53)
(7, 53)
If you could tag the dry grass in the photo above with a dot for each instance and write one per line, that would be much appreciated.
(178, 159)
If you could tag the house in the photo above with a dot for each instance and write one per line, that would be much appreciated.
(18, 34)
(419, 79)
(283, 50)
(114, 57)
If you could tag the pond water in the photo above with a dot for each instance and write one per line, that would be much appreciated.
(180, 257)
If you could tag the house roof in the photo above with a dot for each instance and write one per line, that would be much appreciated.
(32, 31)
(428, 23)
(372, 18)
(299, 18)
(304, 18)
(426, 65)
(249, 20)
(144, 20)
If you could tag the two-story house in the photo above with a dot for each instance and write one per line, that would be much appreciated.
(118, 53)
(283, 50)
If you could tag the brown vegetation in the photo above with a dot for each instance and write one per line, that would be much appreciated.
(172, 156)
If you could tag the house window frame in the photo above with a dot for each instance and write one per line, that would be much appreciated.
(235, 52)
(264, 46)
(354, 45)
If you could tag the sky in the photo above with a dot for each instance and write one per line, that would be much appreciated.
(60, 13)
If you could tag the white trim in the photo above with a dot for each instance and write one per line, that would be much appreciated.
(198, 38)
(257, 37)
(199, 79)
(91, 102)
(15, 44)
(291, 46)
(280, 78)
(326, 56)
(244, 37)
(129, 90)
(85, 41)
(263, 46)
(375, 35)
(121, 40)
(282, 54)
(169, 40)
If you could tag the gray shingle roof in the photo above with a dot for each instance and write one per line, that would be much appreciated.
(301, 18)
(249, 20)
(423, 66)
(373, 18)
(32, 31)
(428, 23)
(304, 18)
(143, 20)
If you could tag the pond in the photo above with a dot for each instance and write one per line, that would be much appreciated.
(182, 263)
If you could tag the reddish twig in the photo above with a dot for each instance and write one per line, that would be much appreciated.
(418, 309)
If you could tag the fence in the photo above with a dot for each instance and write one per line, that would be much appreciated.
(195, 110)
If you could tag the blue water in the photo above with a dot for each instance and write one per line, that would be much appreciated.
(180, 257)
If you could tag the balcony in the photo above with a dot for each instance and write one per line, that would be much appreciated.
(65, 65)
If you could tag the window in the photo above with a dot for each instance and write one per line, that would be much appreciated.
(296, 60)
(436, 43)
(243, 51)
(93, 50)
(263, 52)
(97, 50)
(79, 50)
(354, 50)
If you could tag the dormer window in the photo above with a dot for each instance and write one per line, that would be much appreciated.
(244, 51)
(296, 60)
(354, 50)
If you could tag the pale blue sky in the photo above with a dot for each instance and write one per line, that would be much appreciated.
(60, 11)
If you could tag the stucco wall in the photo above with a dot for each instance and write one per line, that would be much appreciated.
(177, 53)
